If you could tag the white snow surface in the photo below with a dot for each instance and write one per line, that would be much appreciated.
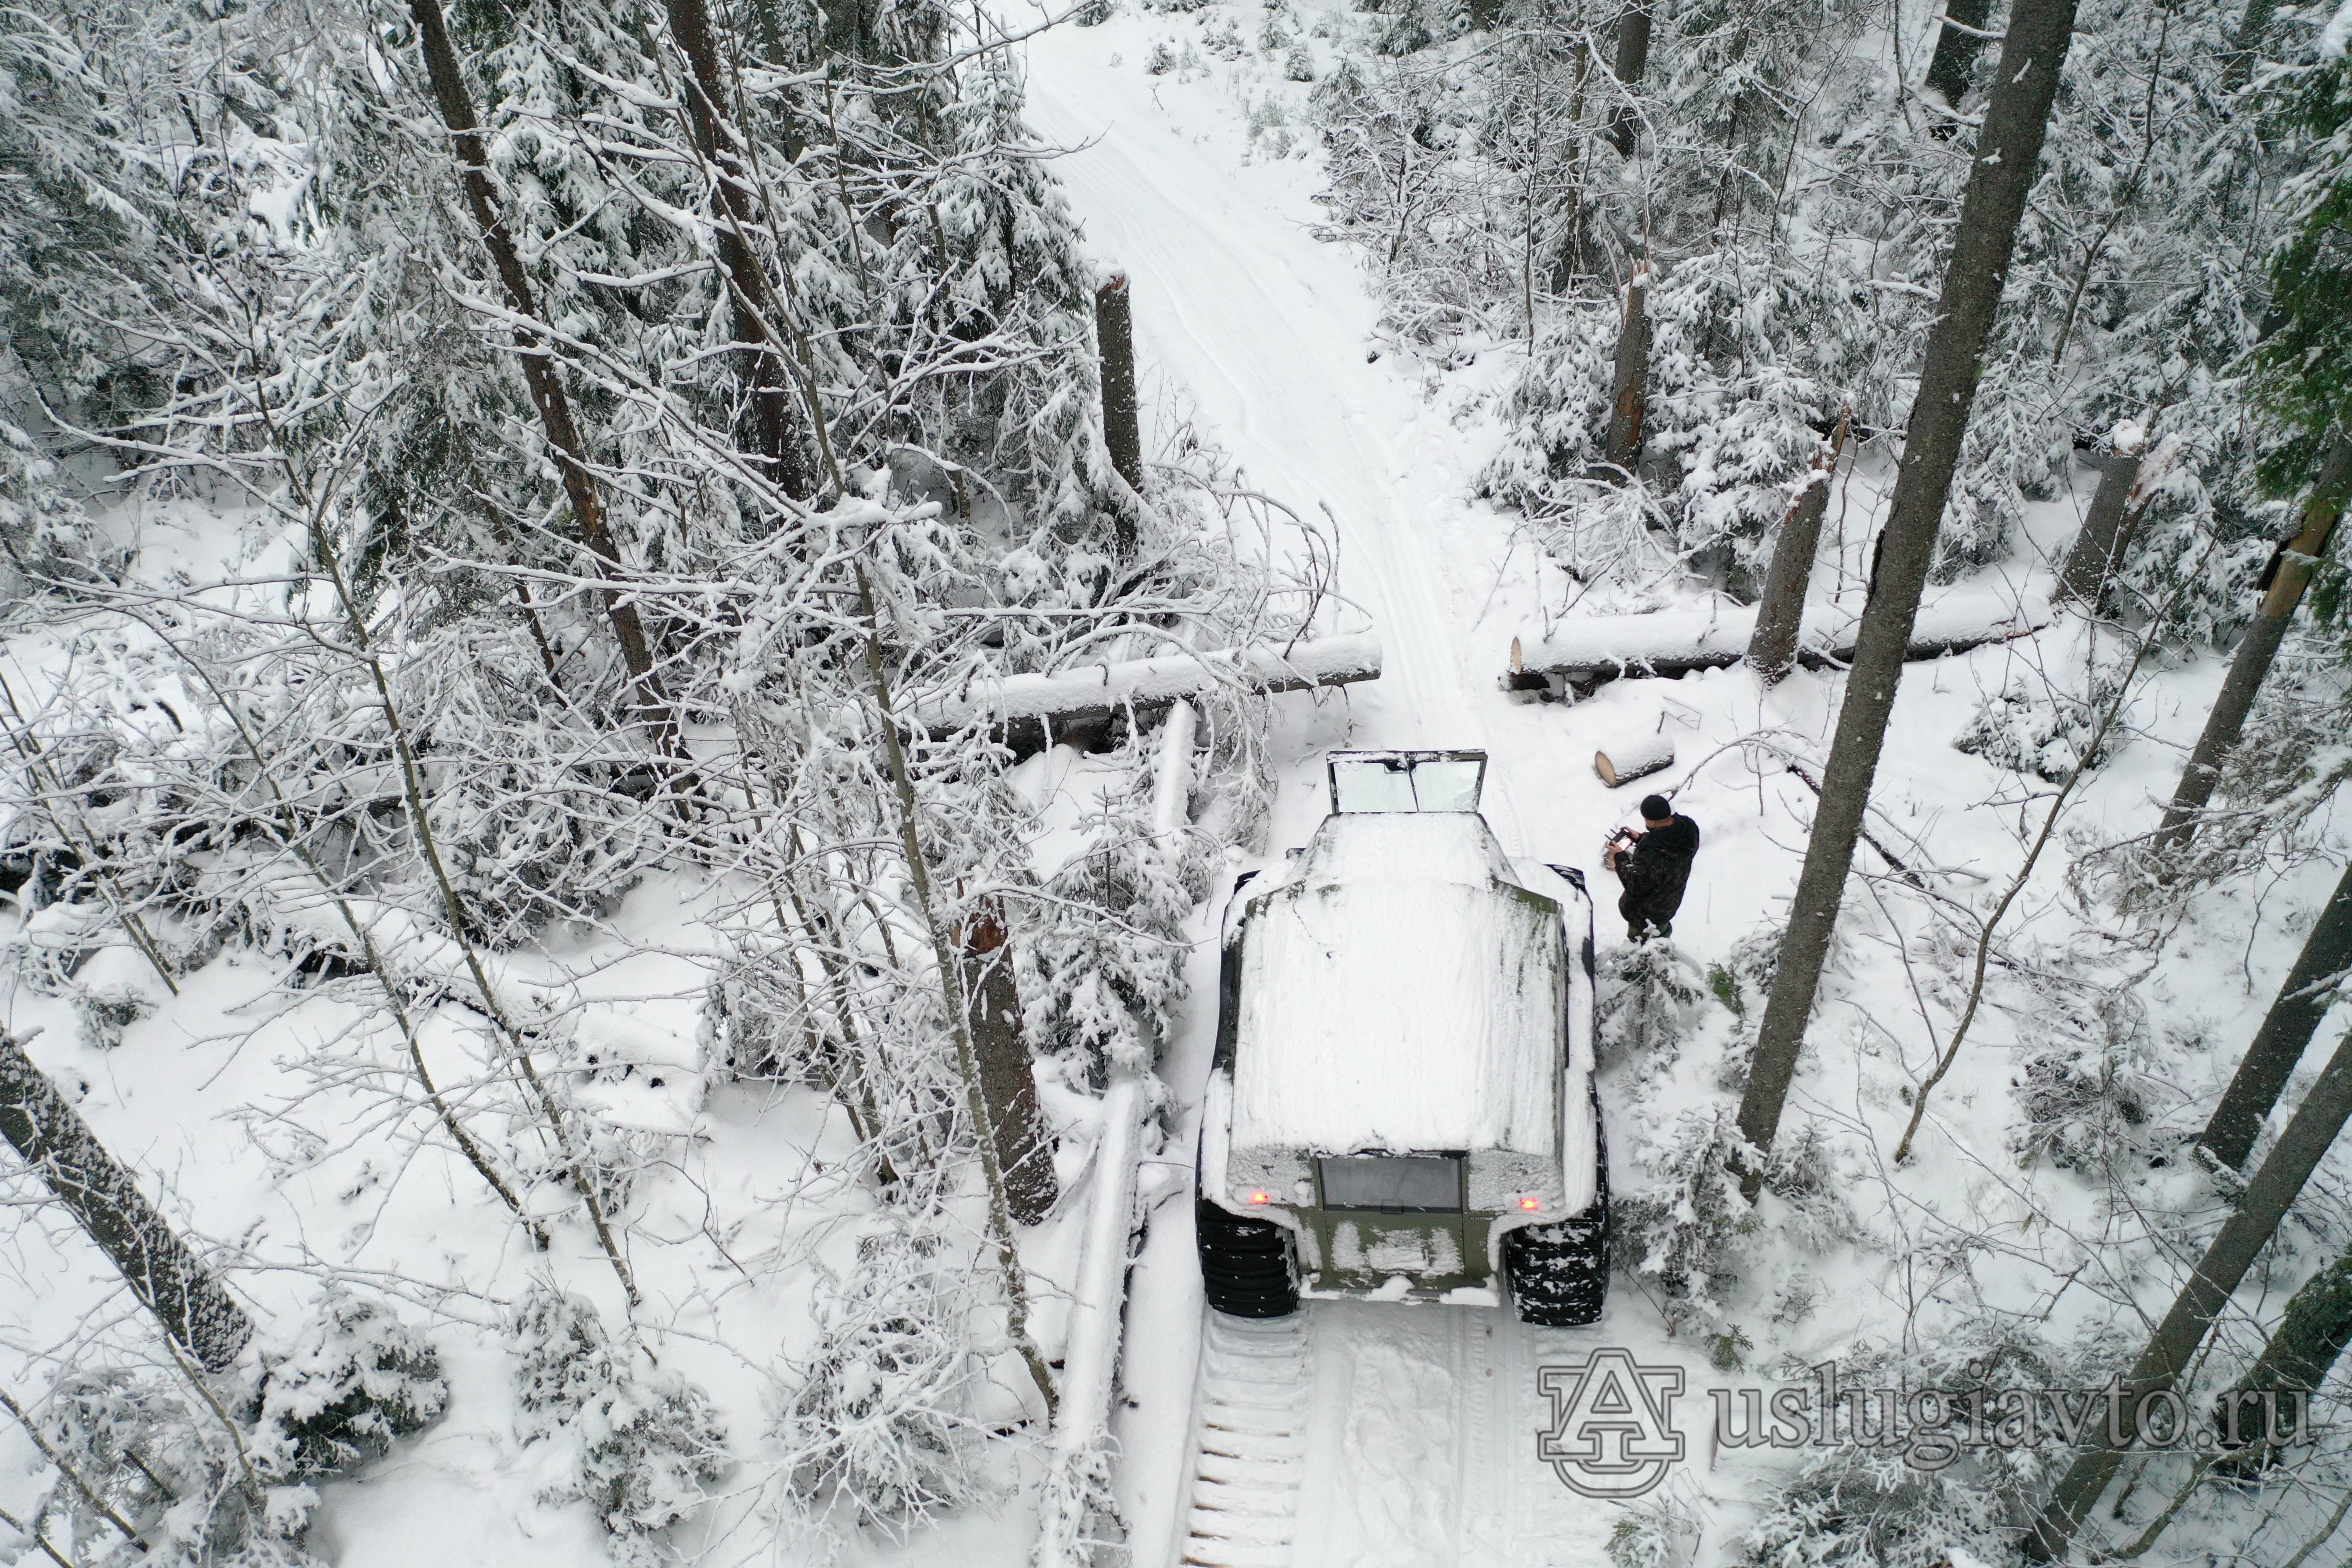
(1401, 992)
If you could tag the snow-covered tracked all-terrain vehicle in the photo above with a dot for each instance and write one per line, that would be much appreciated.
(1403, 1102)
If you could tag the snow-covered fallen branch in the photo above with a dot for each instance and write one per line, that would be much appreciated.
(1674, 642)
(1080, 1483)
(1097, 690)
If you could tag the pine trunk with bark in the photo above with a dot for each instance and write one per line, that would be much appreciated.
(1121, 416)
(2098, 544)
(1958, 43)
(2283, 582)
(2156, 1373)
(775, 437)
(2270, 1408)
(1633, 60)
(1025, 1150)
(538, 373)
(196, 1312)
(2001, 175)
(1779, 615)
(1629, 383)
(2285, 1033)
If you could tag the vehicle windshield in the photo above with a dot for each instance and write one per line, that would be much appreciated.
(1407, 781)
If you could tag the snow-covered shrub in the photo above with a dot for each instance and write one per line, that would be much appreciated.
(105, 1015)
(1407, 26)
(882, 1423)
(645, 1442)
(1658, 1531)
(614, 1159)
(159, 1456)
(43, 531)
(355, 1378)
(1861, 1508)
(2031, 729)
(1161, 60)
(2089, 1100)
(538, 817)
(1900, 1489)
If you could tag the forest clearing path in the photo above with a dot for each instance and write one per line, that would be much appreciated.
(1419, 1442)
(1239, 304)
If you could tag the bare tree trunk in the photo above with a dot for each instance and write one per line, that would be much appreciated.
(1773, 650)
(1629, 383)
(1025, 1150)
(538, 374)
(949, 958)
(772, 408)
(2283, 581)
(2000, 175)
(2267, 1197)
(1633, 59)
(2303, 1348)
(2285, 1033)
(2099, 543)
(2246, 43)
(1956, 48)
(199, 1316)
(1121, 417)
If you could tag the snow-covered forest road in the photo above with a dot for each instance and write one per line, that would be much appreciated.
(1420, 1421)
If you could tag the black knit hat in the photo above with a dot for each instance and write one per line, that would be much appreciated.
(1654, 808)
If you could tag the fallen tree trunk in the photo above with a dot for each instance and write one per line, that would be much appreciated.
(1069, 698)
(169, 1279)
(1675, 642)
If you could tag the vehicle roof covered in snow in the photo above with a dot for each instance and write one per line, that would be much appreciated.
(1400, 991)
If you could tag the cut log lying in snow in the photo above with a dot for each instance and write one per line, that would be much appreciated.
(1623, 761)
(1674, 642)
(1073, 697)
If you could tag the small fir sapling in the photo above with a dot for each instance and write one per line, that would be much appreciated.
(2089, 1098)
(640, 1445)
(1651, 997)
(1691, 1224)
(1105, 960)
(353, 1378)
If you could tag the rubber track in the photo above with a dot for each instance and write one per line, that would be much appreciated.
(1249, 1442)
